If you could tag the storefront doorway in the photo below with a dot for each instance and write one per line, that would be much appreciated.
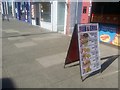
(45, 15)
(49, 15)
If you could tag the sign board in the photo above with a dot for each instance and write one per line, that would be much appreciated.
(88, 43)
(109, 33)
(73, 51)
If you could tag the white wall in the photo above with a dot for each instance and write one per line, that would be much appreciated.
(13, 13)
(54, 15)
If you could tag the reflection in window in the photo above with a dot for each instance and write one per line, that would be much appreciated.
(46, 11)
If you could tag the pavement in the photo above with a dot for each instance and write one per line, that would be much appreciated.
(33, 57)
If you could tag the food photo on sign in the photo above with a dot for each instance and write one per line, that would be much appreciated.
(86, 62)
(86, 55)
(84, 39)
(116, 40)
(86, 69)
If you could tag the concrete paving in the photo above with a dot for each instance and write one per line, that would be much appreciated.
(34, 57)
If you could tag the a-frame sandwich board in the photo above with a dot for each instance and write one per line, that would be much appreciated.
(73, 51)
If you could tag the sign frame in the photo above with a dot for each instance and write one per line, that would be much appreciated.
(79, 46)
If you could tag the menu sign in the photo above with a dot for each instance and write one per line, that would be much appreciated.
(88, 48)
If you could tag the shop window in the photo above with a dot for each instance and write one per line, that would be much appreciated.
(84, 9)
(46, 11)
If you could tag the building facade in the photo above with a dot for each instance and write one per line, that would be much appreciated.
(22, 11)
(107, 15)
(50, 15)
(62, 16)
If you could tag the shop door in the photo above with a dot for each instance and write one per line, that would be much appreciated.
(61, 16)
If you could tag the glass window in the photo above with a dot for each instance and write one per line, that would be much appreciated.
(45, 11)
(84, 9)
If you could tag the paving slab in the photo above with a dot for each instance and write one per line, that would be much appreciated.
(9, 48)
(33, 80)
(25, 69)
(25, 44)
(10, 31)
(16, 59)
(58, 73)
(73, 82)
(46, 38)
(51, 60)
(16, 38)
(4, 73)
(43, 51)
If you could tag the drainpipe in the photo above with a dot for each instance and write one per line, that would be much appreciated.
(76, 13)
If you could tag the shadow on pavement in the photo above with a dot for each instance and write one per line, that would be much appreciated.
(108, 62)
(29, 34)
(7, 84)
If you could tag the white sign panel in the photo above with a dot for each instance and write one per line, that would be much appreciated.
(88, 48)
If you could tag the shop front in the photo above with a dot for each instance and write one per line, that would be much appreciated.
(22, 10)
(107, 15)
(109, 33)
(49, 15)
(46, 15)
(41, 14)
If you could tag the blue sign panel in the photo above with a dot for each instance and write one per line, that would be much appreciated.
(107, 32)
